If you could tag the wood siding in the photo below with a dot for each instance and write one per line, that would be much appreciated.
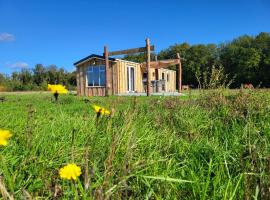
(82, 86)
(118, 78)
(122, 76)
(95, 91)
(170, 85)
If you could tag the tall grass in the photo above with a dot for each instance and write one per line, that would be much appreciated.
(214, 146)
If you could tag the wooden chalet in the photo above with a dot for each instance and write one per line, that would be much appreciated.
(103, 75)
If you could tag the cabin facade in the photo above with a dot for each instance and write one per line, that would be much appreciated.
(124, 77)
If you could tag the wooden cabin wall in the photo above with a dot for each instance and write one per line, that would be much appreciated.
(139, 78)
(122, 76)
(81, 80)
(171, 84)
(83, 89)
(160, 71)
(152, 74)
(114, 76)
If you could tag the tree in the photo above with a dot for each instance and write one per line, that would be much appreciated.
(139, 57)
(262, 44)
(25, 76)
(39, 73)
(2, 79)
(242, 59)
(15, 76)
(51, 74)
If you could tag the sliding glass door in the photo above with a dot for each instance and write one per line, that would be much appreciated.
(130, 79)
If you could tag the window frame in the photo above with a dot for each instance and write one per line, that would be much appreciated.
(129, 67)
(163, 76)
(90, 69)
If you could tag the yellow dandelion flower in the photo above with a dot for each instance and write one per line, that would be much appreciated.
(100, 110)
(60, 89)
(4, 136)
(49, 87)
(70, 171)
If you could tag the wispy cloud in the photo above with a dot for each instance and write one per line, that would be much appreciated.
(6, 37)
(17, 65)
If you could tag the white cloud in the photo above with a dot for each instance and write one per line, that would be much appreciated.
(6, 37)
(17, 65)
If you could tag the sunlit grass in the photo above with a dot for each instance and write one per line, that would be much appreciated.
(203, 146)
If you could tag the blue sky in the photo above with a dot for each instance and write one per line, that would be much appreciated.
(61, 32)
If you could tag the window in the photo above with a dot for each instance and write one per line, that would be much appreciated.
(96, 76)
(144, 75)
(163, 76)
(168, 78)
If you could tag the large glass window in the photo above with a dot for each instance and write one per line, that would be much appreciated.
(96, 75)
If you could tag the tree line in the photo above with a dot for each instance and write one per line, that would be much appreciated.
(245, 59)
(37, 78)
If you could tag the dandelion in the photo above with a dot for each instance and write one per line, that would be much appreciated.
(57, 89)
(70, 171)
(4, 136)
(60, 89)
(100, 111)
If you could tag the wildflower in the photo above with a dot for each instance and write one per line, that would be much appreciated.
(4, 136)
(100, 111)
(60, 89)
(70, 171)
(57, 89)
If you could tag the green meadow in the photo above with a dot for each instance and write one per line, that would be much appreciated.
(205, 145)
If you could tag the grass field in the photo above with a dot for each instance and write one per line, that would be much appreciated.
(213, 145)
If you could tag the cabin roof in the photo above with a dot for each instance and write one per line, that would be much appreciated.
(90, 57)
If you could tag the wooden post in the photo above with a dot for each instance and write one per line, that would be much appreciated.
(179, 73)
(148, 54)
(107, 77)
(156, 77)
(78, 81)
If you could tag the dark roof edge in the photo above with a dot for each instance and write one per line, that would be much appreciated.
(92, 56)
